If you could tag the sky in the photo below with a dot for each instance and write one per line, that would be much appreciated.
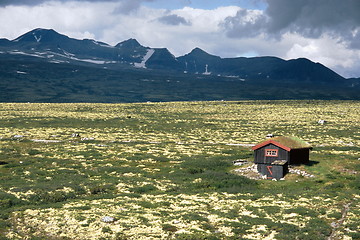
(325, 31)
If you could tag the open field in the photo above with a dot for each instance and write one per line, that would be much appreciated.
(164, 171)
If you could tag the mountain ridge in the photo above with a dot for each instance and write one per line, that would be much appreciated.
(154, 71)
(131, 51)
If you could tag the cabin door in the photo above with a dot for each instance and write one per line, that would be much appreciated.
(269, 171)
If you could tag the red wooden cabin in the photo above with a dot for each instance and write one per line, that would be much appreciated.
(275, 154)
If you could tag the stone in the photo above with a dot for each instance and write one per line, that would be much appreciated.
(108, 219)
(75, 135)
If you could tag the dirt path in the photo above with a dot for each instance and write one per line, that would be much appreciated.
(336, 225)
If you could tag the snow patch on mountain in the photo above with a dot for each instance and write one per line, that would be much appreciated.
(66, 53)
(147, 56)
(206, 70)
(101, 44)
(38, 39)
(16, 52)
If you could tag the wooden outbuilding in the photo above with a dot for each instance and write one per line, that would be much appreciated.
(275, 154)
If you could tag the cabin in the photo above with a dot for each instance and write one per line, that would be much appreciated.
(274, 155)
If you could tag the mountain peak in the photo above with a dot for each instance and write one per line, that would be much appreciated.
(130, 43)
(198, 50)
(40, 35)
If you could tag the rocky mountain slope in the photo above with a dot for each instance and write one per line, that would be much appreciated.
(47, 60)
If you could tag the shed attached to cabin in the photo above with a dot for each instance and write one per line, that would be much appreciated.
(275, 154)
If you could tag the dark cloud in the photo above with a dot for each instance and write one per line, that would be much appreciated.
(309, 18)
(128, 4)
(125, 6)
(20, 2)
(174, 19)
(312, 18)
(243, 25)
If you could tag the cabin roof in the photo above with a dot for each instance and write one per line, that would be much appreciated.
(284, 142)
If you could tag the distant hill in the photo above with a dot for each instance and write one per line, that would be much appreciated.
(45, 66)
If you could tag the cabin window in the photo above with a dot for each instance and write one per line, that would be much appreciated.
(271, 152)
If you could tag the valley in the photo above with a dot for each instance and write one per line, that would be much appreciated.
(165, 171)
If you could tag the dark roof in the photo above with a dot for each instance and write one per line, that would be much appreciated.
(283, 142)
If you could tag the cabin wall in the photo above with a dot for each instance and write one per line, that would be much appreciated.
(299, 156)
(273, 171)
(261, 158)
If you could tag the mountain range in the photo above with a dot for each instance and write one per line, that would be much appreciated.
(45, 66)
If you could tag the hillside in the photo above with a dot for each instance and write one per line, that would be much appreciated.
(45, 66)
(165, 171)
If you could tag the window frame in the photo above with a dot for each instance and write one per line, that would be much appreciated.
(271, 152)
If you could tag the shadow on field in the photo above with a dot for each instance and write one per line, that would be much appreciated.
(312, 163)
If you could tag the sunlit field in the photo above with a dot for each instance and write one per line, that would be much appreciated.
(165, 171)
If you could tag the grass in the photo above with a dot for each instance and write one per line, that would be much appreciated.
(164, 170)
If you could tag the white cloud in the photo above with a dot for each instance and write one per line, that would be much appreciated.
(76, 19)
(327, 50)
(202, 30)
(225, 31)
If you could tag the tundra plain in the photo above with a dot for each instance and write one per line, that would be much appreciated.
(165, 171)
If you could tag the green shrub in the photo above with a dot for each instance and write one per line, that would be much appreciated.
(101, 188)
(336, 215)
(199, 236)
(144, 189)
(240, 228)
(169, 228)
(287, 231)
(224, 181)
(195, 170)
(42, 196)
(32, 152)
(4, 224)
(302, 211)
(335, 186)
(147, 204)
(106, 230)
(355, 235)
(192, 216)
(82, 208)
(8, 200)
(5, 203)
(356, 183)
(214, 163)
(318, 229)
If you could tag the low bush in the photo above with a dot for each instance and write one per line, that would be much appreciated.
(42, 196)
(169, 228)
(144, 189)
(101, 188)
(302, 211)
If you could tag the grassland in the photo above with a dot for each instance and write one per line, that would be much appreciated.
(164, 171)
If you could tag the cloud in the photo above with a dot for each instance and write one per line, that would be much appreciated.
(128, 6)
(174, 19)
(327, 31)
(34, 2)
(246, 23)
(78, 20)
(311, 19)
